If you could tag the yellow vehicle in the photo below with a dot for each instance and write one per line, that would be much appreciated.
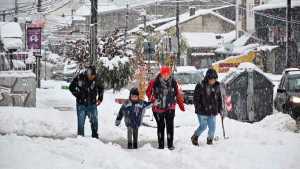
(233, 61)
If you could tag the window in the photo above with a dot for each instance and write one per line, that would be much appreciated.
(294, 83)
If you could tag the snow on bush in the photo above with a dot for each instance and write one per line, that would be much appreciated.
(113, 64)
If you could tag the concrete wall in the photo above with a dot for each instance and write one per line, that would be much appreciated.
(17, 88)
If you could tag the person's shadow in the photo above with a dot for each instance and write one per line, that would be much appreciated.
(123, 142)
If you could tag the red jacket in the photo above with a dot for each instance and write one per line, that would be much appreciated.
(152, 98)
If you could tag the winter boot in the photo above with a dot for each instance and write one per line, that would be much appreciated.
(209, 141)
(95, 135)
(297, 125)
(171, 148)
(129, 146)
(135, 145)
(194, 140)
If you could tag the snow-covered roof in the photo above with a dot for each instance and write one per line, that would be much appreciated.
(10, 30)
(245, 66)
(297, 72)
(201, 12)
(152, 23)
(267, 47)
(207, 39)
(236, 46)
(274, 4)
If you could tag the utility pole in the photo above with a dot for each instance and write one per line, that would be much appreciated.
(288, 32)
(177, 33)
(156, 9)
(237, 18)
(16, 11)
(126, 26)
(39, 6)
(145, 22)
(93, 31)
(3, 16)
(38, 57)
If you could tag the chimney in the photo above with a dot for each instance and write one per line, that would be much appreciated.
(192, 11)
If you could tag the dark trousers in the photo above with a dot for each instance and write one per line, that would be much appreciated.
(132, 136)
(92, 113)
(163, 120)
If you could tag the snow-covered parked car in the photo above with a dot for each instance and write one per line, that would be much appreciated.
(69, 71)
(57, 72)
(54, 58)
(187, 77)
(287, 98)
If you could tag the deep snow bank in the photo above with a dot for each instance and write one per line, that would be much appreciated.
(35, 122)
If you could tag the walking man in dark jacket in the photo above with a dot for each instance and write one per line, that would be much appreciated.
(89, 94)
(208, 103)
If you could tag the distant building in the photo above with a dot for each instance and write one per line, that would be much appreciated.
(202, 20)
(270, 25)
(201, 47)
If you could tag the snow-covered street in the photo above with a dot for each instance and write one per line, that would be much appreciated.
(269, 144)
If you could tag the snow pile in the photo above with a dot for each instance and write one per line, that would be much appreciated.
(34, 122)
(278, 121)
(250, 146)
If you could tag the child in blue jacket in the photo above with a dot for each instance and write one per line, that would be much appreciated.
(133, 110)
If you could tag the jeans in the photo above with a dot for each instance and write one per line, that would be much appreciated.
(92, 113)
(205, 121)
(132, 136)
(163, 120)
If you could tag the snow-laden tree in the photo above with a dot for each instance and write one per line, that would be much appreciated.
(113, 59)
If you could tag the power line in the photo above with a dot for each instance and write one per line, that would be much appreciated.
(263, 14)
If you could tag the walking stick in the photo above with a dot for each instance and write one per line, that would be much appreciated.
(224, 135)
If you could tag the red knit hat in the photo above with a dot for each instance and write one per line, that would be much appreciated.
(165, 70)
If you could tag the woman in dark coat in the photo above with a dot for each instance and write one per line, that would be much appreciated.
(208, 103)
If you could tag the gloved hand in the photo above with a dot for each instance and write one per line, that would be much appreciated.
(156, 103)
(117, 122)
(222, 114)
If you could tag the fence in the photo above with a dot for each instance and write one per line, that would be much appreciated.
(17, 61)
